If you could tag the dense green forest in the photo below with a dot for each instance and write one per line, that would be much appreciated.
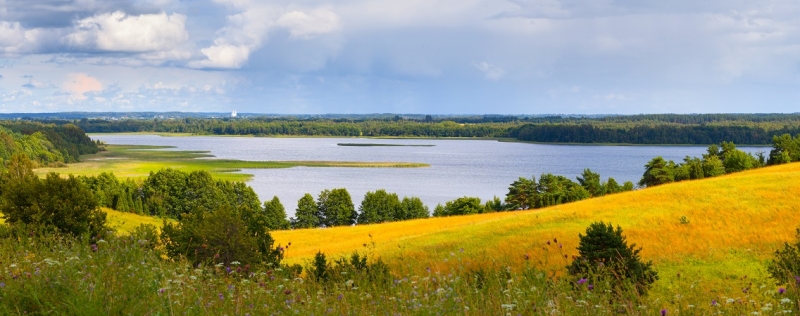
(632, 129)
(46, 144)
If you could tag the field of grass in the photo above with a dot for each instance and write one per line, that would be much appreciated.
(493, 264)
(129, 161)
(735, 223)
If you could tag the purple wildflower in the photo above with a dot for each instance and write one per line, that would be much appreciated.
(714, 303)
(2, 285)
(582, 281)
(590, 287)
(221, 297)
(340, 296)
(94, 247)
(781, 290)
(664, 312)
(161, 290)
(228, 269)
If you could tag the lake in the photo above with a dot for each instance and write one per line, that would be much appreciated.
(459, 167)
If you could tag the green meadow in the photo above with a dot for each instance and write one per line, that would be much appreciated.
(136, 161)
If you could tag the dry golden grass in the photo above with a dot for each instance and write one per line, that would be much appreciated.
(736, 223)
(124, 222)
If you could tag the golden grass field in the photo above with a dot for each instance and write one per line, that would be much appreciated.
(735, 224)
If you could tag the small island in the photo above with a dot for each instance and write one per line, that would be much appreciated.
(382, 145)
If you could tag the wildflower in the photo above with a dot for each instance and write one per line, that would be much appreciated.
(161, 290)
(287, 291)
(2, 285)
(714, 303)
(781, 290)
(527, 257)
(582, 281)
(340, 296)
(797, 279)
(94, 247)
(591, 287)
(221, 297)
(664, 312)
(228, 269)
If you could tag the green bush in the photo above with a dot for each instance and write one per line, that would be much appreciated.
(785, 266)
(225, 236)
(604, 254)
(61, 204)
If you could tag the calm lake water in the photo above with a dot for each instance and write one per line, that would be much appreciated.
(482, 168)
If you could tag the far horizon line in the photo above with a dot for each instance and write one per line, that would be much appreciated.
(388, 113)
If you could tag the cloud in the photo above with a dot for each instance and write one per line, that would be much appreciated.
(79, 83)
(305, 26)
(120, 32)
(492, 72)
(246, 31)
(36, 84)
(14, 39)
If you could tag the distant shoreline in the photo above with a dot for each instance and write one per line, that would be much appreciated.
(498, 139)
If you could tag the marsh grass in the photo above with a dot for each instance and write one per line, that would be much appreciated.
(137, 161)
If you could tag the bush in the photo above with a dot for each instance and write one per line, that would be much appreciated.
(221, 236)
(604, 253)
(54, 203)
(785, 267)
(146, 235)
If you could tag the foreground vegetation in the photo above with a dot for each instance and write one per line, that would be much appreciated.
(513, 262)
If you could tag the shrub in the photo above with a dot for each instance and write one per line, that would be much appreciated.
(223, 235)
(785, 266)
(54, 203)
(604, 253)
(146, 235)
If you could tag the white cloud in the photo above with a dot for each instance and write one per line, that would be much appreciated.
(120, 32)
(305, 26)
(223, 56)
(248, 30)
(14, 39)
(492, 72)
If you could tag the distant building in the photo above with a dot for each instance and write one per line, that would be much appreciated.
(233, 114)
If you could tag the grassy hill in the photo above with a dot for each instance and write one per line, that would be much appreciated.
(710, 263)
(735, 223)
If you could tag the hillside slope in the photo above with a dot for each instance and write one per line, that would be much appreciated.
(735, 223)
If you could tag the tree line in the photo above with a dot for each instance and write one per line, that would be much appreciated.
(718, 160)
(635, 129)
(44, 144)
(648, 134)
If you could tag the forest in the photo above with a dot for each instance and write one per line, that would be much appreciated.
(45, 144)
(704, 129)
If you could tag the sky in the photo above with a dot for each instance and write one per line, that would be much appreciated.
(401, 56)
